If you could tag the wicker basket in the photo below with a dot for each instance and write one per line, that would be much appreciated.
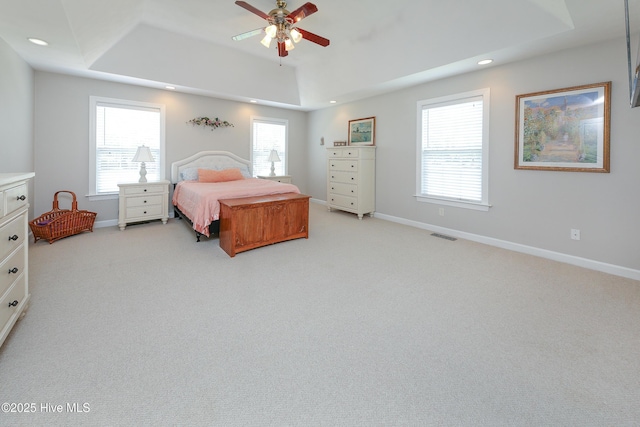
(59, 223)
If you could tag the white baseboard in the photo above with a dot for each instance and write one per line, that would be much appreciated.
(106, 223)
(114, 222)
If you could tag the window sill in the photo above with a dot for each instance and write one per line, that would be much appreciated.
(98, 197)
(456, 203)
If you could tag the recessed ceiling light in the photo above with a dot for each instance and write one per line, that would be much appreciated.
(39, 42)
(332, 102)
(253, 101)
(485, 61)
(170, 87)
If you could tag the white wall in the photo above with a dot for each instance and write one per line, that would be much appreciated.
(62, 133)
(536, 209)
(16, 113)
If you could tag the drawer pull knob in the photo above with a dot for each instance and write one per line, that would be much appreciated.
(352, 178)
(145, 190)
(14, 303)
(352, 165)
(14, 237)
(23, 198)
(145, 212)
(145, 201)
(13, 270)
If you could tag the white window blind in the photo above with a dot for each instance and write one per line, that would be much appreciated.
(268, 134)
(452, 149)
(119, 128)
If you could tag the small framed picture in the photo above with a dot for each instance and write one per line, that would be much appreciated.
(564, 129)
(339, 143)
(362, 131)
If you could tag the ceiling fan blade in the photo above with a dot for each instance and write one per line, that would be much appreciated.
(313, 37)
(252, 9)
(282, 51)
(302, 12)
(248, 34)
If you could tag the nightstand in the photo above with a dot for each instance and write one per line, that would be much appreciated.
(286, 179)
(143, 201)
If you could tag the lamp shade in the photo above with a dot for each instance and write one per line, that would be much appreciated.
(143, 155)
(273, 156)
(288, 45)
(271, 31)
(296, 36)
(266, 41)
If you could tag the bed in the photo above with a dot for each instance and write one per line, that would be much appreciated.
(199, 202)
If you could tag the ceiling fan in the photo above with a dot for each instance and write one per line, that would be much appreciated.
(281, 26)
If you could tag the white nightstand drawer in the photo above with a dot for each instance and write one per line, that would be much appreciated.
(144, 211)
(11, 269)
(142, 189)
(286, 179)
(144, 201)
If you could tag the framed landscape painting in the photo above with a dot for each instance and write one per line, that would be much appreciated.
(362, 131)
(564, 129)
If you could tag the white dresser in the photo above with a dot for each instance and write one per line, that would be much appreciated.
(351, 179)
(143, 201)
(14, 249)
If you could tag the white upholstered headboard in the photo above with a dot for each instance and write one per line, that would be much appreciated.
(208, 160)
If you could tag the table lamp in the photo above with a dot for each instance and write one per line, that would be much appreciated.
(273, 157)
(143, 155)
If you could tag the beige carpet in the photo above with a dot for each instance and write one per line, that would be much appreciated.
(365, 323)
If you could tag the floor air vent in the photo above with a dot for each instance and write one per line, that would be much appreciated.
(442, 236)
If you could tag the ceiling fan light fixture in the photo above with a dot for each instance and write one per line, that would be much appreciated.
(295, 35)
(271, 31)
(280, 26)
(266, 41)
(288, 45)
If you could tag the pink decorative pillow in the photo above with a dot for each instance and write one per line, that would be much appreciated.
(209, 175)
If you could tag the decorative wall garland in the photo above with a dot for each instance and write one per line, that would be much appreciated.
(206, 121)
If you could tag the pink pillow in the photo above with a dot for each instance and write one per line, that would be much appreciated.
(209, 175)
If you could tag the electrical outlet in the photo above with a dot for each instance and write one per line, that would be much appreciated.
(575, 234)
(441, 211)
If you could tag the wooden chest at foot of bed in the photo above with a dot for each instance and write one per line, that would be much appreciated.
(252, 222)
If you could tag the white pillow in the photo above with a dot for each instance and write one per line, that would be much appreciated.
(189, 174)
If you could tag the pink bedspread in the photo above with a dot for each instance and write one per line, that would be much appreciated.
(200, 200)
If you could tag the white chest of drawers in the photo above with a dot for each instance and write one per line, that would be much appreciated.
(143, 201)
(14, 250)
(351, 179)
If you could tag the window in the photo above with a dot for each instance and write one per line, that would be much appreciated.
(266, 135)
(453, 138)
(118, 127)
